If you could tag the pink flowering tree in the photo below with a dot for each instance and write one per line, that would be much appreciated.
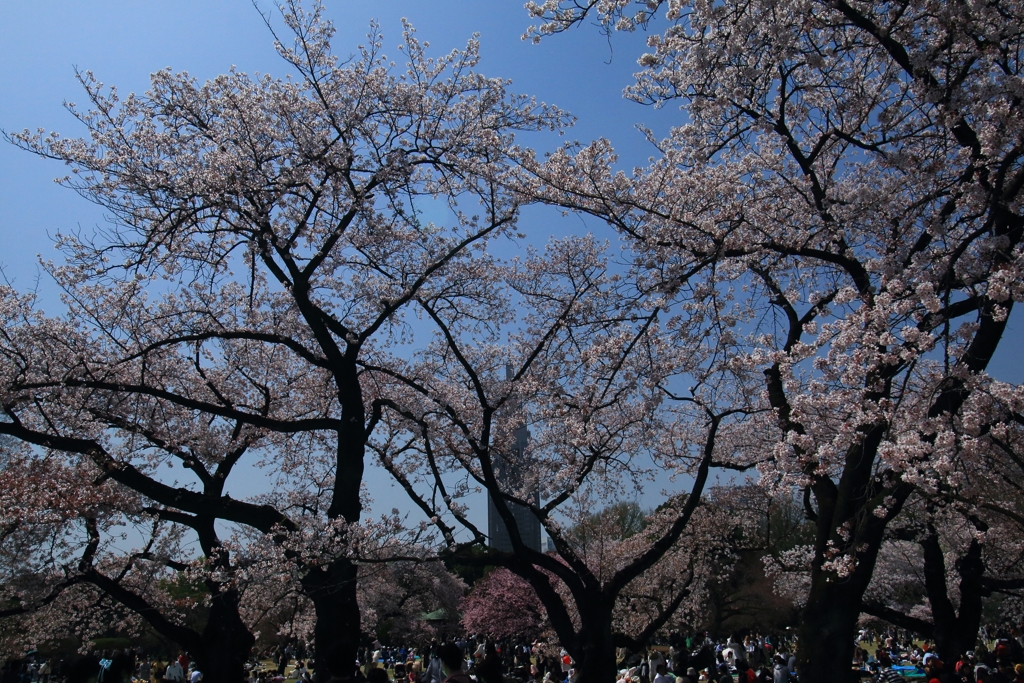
(127, 445)
(946, 556)
(967, 529)
(96, 471)
(503, 605)
(65, 570)
(843, 197)
(934, 573)
(267, 236)
(60, 549)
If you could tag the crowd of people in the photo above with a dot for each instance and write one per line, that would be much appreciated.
(881, 657)
(680, 660)
(106, 666)
(884, 657)
(897, 656)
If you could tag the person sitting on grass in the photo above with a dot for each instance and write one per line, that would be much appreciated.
(886, 674)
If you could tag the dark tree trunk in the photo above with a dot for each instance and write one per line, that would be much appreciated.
(955, 633)
(825, 649)
(844, 524)
(228, 642)
(594, 653)
(332, 590)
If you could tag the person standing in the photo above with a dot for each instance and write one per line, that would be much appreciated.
(739, 652)
(655, 659)
(780, 672)
(452, 664)
(174, 673)
(434, 673)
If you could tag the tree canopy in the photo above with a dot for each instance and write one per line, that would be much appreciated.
(808, 283)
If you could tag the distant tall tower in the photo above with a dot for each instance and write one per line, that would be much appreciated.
(509, 472)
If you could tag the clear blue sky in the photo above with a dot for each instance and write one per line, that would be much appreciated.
(123, 41)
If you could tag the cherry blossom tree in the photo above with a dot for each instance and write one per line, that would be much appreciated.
(957, 542)
(951, 569)
(741, 595)
(584, 364)
(45, 547)
(250, 579)
(967, 530)
(503, 605)
(264, 226)
(133, 440)
(844, 195)
(102, 436)
(934, 573)
(65, 571)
